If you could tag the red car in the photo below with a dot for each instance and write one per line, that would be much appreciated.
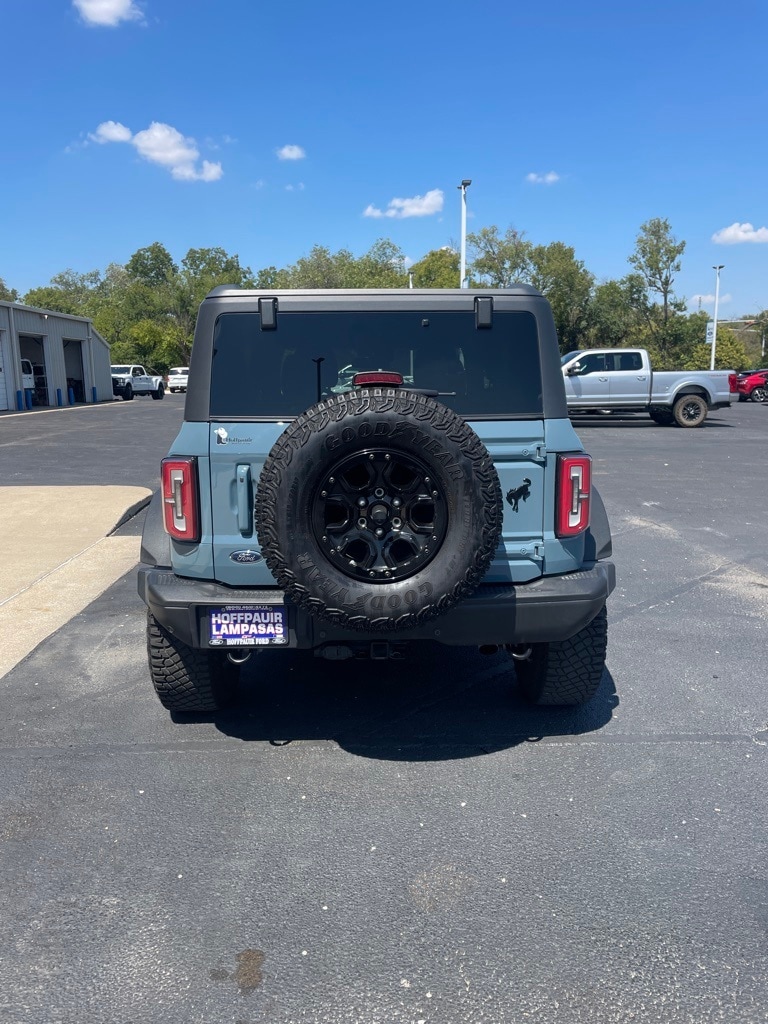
(753, 386)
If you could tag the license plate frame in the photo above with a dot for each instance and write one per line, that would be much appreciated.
(252, 625)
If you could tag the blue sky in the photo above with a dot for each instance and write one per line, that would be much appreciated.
(266, 129)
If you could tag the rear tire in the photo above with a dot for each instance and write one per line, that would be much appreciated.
(690, 411)
(159, 392)
(566, 672)
(186, 679)
(759, 394)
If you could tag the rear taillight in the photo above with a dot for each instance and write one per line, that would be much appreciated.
(181, 516)
(733, 382)
(574, 486)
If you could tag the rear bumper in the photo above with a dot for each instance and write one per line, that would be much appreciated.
(551, 608)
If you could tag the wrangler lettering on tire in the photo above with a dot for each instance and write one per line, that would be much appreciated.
(378, 510)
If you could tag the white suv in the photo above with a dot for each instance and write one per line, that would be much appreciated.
(177, 378)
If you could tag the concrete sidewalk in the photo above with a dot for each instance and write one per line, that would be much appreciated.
(56, 557)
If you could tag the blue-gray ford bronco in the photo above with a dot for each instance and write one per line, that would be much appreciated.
(359, 471)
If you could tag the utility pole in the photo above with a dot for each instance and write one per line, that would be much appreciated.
(717, 300)
(463, 267)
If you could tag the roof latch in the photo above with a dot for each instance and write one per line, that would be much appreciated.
(483, 311)
(268, 314)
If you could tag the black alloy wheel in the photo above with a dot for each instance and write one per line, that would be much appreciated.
(690, 411)
(379, 516)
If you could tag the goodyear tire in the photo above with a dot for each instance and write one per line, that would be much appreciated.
(690, 411)
(566, 672)
(378, 510)
(186, 679)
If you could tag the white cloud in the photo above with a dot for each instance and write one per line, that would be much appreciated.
(543, 179)
(162, 144)
(738, 233)
(107, 12)
(417, 206)
(291, 153)
(707, 300)
(295, 188)
(111, 131)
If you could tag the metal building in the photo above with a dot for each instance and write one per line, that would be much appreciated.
(50, 359)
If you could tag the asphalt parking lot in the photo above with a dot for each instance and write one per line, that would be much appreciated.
(404, 842)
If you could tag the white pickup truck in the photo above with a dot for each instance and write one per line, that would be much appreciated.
(622, 379)
(130, 380)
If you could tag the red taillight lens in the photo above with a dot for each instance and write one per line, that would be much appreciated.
(733, 382)
(181, 516)
(574, 486)
(369, 378)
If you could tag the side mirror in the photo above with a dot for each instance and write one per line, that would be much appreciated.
(573, 369)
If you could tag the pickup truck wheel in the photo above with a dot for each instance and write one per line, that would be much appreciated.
(663, 417)
(186, 679)
(566, 672)
(378, 510)
(128, 393)
(759, 394)
(159, 392)
(690, 411)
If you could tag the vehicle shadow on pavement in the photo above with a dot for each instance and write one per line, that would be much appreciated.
(617, 420)
(436, 705)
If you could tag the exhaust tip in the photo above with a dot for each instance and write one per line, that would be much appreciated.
(238, 658)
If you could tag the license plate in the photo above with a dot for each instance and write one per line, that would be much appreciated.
(247, 626)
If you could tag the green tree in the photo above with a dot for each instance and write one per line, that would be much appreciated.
(730, 353)
(271, 278)
(438, 269)
(657, 259)
(499, 261)
(383, 266)
(8, 294)
(68, 292)
(321, 268)
(614, 316)
(152, 265)
(567, 285)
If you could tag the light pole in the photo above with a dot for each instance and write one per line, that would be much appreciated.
(717, 270)
(463, 267)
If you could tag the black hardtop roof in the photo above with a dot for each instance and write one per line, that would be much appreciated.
(232, 291)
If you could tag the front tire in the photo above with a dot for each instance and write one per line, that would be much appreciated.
(186, 679)
(128, 393)
(690, 411)
(566, 673)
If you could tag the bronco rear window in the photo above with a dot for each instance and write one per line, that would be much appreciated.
(480, 373)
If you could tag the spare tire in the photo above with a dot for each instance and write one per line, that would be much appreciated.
(378, 509)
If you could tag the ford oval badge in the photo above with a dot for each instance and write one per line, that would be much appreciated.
(246, 556)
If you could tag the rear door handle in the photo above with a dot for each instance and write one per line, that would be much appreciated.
(244, 500)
